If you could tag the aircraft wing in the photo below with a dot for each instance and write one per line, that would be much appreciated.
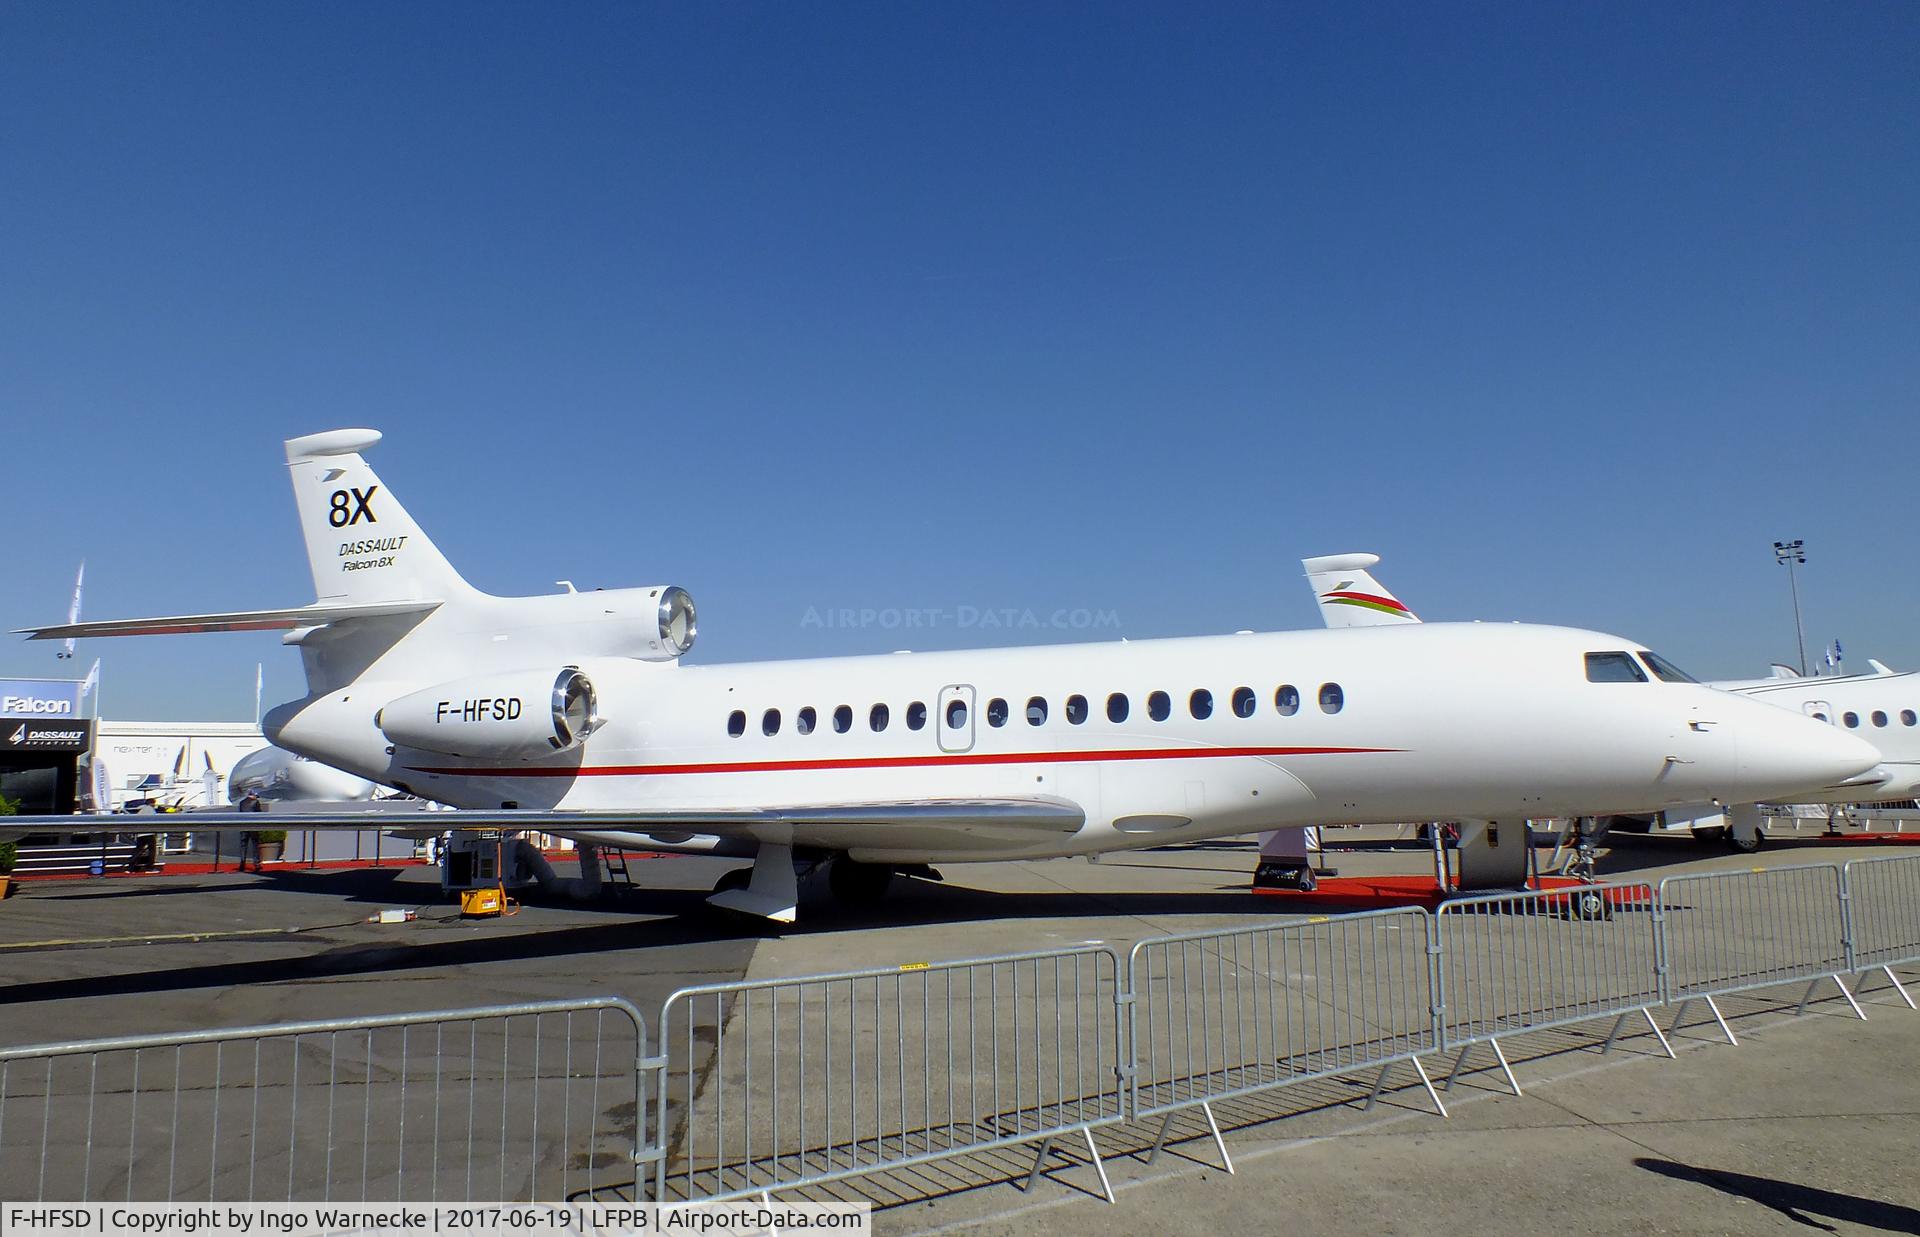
(235, 620)
(949, 823)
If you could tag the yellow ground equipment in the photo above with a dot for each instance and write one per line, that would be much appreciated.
(486, 903)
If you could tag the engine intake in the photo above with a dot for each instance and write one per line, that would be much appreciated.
(522, 715)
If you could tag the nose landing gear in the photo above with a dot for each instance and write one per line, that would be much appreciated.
(1583, 864)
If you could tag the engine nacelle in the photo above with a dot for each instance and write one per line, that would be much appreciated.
(519, 715)
(674, 624)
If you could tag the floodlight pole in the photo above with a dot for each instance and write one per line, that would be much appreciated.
(1789, 554)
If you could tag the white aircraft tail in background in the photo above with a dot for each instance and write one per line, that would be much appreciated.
(1348, 594)
(73, 609)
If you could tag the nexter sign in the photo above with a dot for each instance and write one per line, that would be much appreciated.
(39, 698)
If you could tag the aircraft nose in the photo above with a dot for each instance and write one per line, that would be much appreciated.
(1785, 755)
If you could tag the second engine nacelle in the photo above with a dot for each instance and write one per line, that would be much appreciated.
(518, 715)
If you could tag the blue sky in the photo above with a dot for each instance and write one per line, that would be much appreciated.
(1568, 311)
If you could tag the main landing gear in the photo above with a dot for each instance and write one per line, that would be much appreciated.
(858, 884)
(770, 889)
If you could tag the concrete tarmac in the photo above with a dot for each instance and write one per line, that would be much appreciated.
(1808, 1123)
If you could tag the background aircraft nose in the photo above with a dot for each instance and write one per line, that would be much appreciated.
(1786, 755)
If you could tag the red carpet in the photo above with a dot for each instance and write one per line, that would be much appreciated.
(1369, 893)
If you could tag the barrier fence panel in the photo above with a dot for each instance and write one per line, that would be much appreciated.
(782, 1083)
(1216, 1015)
(1516, 962)
(1725, 932)
(505, 1102)
(1883, 901)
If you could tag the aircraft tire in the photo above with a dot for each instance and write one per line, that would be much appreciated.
(857, 884)
(1591, 905)
(1747, 846)
(1710, 833)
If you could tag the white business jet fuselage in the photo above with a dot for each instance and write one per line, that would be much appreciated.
(571, 712)
(1477, 720)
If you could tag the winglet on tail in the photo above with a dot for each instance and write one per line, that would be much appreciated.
(1348, 594)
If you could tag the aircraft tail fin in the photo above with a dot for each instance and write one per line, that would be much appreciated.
(361, 543)
(1348, 594)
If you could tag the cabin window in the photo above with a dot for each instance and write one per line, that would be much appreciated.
(1076, 709)
(804, 720)
(1036, 710)
(916, 715)
(1851, 719)
(877, 718)
(1822, 717)
(1909, 718)
(956, 714)
(1244, 701)
(737, 723)
(843, 719)
(1614, 668)
(1879, 718)
(1332, 699)
(770, 722)
(996, 712)
(1287, 699)
(1117, 708)
(1200, 704)
(1159, 706)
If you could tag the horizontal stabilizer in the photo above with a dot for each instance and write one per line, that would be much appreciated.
(237, 620)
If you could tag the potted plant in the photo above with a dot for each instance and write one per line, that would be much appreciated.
(9, 852)
(273, 843)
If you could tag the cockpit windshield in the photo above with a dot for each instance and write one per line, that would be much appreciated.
(1665, 670)
(1614, 667)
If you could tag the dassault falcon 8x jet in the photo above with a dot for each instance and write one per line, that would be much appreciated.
(572, 713)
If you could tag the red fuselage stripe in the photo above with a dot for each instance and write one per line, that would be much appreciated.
(904, 762)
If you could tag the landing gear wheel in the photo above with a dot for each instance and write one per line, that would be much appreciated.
(739, 878)
(1709, 833)
(1591, 905)
(1746, 846)
(858, 884)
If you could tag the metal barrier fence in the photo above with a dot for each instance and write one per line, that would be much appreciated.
(532, 1101)
(1883, 915)
(1532, 961)
(791, 1082)
(778, 1084)
(1725, 932)
(1216, 1015)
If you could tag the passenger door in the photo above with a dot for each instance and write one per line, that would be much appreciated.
(954, 718)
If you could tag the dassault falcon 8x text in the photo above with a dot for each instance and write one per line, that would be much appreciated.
(571, 713)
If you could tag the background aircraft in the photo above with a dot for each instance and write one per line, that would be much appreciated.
(1882, 708)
